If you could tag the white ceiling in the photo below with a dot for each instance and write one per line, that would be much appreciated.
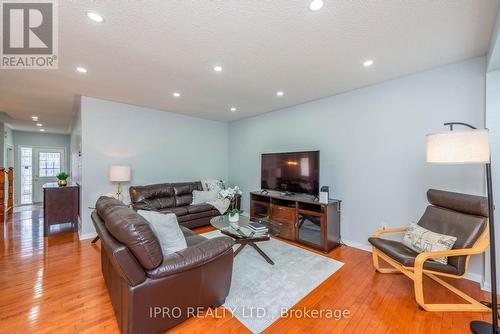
(145, 50)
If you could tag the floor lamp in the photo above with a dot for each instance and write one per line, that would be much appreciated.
(469, 147)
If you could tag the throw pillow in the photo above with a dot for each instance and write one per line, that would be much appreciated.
(201, 197)
(422, 240)
(213, 185)
(167, 230)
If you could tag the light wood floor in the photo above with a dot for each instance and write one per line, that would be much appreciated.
(54, 285)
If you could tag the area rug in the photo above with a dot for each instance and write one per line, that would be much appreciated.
(260, 293)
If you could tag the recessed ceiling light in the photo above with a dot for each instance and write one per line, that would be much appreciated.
(368, 63)
(280, 93)
(316, 5)
(233, 109)
(218, 68)
(34, 118)
(81, 69)
(39, 124)
(176, 94)
(95, 17)
(42, 130)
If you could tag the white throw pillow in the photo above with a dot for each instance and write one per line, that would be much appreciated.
(201, 197)
(213, 185)
(422, 240)
(167, 230)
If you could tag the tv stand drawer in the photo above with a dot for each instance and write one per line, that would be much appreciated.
(282, 214)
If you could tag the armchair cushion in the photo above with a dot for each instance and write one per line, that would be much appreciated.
(406, 256)
(192, 257)
(468, 204)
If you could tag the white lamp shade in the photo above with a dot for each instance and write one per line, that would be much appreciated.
(458, 147)
(120, 173)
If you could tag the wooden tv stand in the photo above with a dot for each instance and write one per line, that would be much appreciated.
(303, 219)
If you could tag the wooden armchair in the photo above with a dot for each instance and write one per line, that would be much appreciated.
(459, 215)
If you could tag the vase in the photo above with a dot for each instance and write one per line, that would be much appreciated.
(234, 217)
(62, 183)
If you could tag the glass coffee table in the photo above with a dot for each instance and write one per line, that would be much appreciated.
(243, 236)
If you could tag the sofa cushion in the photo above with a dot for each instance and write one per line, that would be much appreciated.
(142, 193)
(166, 229)
(194, 239)
(160, 203)
(179, 212)
(196, 208)
(198, 215)
(202, 197)
(192, 257)
(132, 230)
(184, 192)
(405, 256)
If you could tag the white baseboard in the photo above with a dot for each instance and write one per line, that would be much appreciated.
(470, 276)
(475, 278)
(85, 236)
(485, 286)
(357, 245)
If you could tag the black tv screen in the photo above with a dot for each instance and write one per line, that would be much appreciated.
(295, 172)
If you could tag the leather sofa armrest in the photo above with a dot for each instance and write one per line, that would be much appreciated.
(192, 257)
(141, 206)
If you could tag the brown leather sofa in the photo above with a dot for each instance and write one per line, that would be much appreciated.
(151, 293)
(175, 198)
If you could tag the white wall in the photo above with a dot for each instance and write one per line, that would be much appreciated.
(36, 139)
(372, 143)
(159, 146)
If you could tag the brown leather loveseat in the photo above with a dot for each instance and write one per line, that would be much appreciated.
(151, 293)
(175, 198)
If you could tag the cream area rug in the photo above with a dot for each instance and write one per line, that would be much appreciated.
(260, 293)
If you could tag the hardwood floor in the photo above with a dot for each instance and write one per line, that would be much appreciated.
(54, 285)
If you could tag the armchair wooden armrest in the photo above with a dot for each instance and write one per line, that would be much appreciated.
(419, 271)
(478, 248)
(389, 230)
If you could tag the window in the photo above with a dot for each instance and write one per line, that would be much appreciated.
(49, 164)
(26, 175)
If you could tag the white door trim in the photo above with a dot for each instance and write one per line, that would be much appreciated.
(18, 160)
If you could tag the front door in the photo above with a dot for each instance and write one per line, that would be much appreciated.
(47, 163)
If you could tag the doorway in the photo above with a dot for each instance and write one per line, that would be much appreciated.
(39, 165)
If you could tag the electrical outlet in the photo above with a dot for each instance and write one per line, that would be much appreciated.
(383, 225)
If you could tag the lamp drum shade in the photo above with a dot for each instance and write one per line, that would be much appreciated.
(459, 147)
(119, 173)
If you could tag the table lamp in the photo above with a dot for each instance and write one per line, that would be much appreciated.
(469, 147)
(119, 174)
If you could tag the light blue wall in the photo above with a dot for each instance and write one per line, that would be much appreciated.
(36, 139)
(159, 146)
(372, 143)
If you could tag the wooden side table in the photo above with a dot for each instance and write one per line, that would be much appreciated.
(60, 205)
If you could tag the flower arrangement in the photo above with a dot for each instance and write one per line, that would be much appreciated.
(231, 194)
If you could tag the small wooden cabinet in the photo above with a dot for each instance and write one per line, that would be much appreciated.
(60, 206)
(303, 219)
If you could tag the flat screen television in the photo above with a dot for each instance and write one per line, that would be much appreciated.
(294, 172)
